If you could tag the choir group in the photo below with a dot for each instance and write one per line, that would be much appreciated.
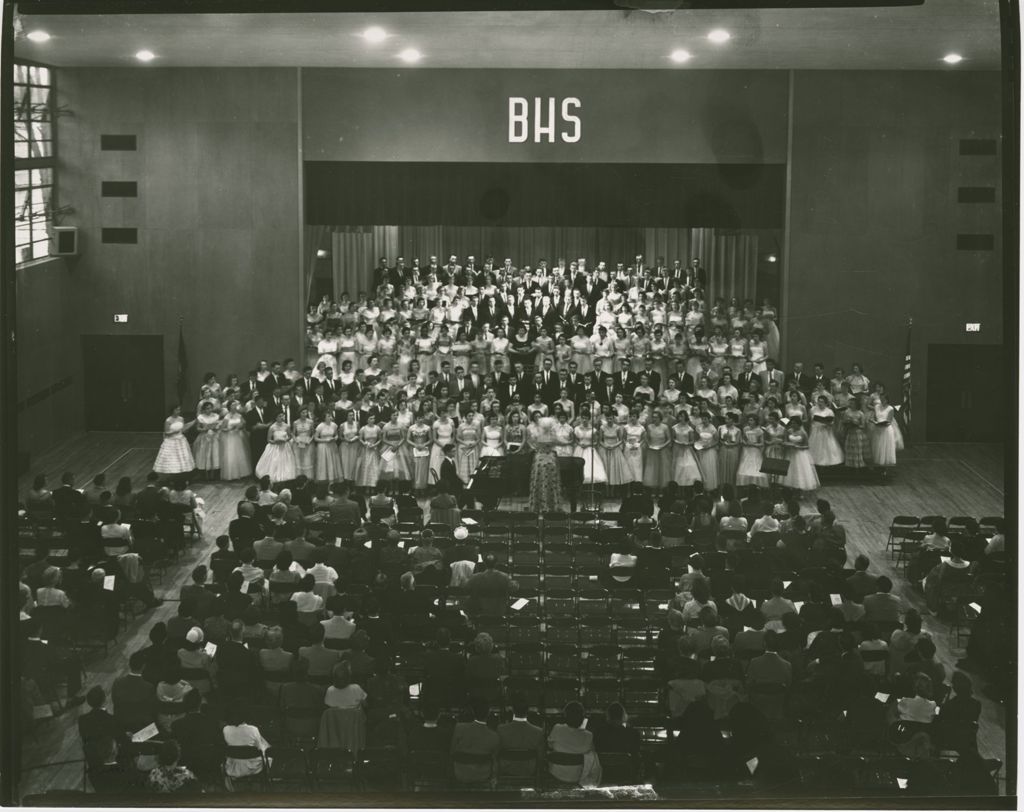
(647, 383)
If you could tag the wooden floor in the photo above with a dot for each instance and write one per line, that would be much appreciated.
(945, 479)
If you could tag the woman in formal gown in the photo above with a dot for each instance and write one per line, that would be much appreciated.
(883, 437)
(419, 442)
(751, 455)
(612, 436)
(443, 434)
(393, 462)
(685, 470)
(499, 351)
(858, 381)
(634, 440)
(825, 449)
(706, 446)
(467, 449)
(564, 436)
(801, 475)
(278, 459)
(545, 483)
(235, 459)
(658, 461)
(368, 468)
(730, 437)
(175, 456)
(347, 447)
(326, 460)
(593, 466)
(305, 453)
(856, 445)
(493, 439)
(582, 352)
(206, 448)
(327, 351)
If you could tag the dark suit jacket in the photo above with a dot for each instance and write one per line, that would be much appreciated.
(609, 738)
(478, 739)
(444, 677)
(449, 476)
(625, 389)
(520, 735)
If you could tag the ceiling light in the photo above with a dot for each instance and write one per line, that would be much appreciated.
(38, 36)
(952, 59)
(772, 258)
(321, 253)
(719, 35)
(145, 56)
(679, 55)
(375, 34)
(410, 55)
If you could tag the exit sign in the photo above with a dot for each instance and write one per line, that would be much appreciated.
(973, 327)
(120, 318)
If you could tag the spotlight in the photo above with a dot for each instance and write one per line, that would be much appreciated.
(952, 59)
(145, 56)
(719, 35)
(38, 36)
(410, 55)
(679, 55)
(375, 34)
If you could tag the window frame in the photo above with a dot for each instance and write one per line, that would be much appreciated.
(31, 164)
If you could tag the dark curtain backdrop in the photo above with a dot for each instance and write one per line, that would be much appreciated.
(730, 258)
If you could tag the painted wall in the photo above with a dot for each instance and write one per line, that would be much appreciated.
(216, 213)
(624, 116)
(874, 218)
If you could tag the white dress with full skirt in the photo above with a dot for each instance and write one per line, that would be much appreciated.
(278, 458)
(751, 457)
(884, 438)
(593, 465)
(825, 448)
(801, 475)
(174, 456)
(206, 448)
(235, 457)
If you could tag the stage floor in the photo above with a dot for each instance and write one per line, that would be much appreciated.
(944, 479)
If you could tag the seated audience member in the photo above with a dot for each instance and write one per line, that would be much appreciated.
(570, 737)
(134, 698)
(474, 738)
(520, 735)
(357, 658)
(307, 602)
(444, 508)
(883, 606)
(97, 728)
(198, 601)
(344, 691)
(685, 685)
(700, 600)
(489, 590)
(108, 776)
(50, 593)
(748, 642)
(274, 660)
(918, 706)
(427, 561)
(199, 735)
(267, 551)
(320, 660)
(238, 733)
(921, 660)
(777, 605)
(301, 695)
(115, 536)
(237, 598)
(997, 544)
(945, 582)
(339, 624)
(860, 582)
(343, 510)
(852, 611)
(68, 501)
(50, 663)
(40, 498)
(170, 692)
(301, 550)
(829, 534)
(937, 540)
(959, 719)
(33, 574)
(169, 776)
(245, 529)
(871, 643)
(902, 641)
(769, 668)
(613, 736)
(283, 579)
(430, 735)
(95, 489)
(321, 572)
(223, 559)
(484, 670)
(193, 657)
(237, 675)
(444, 672)
(708, 630)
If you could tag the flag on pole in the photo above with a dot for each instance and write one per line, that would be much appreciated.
(905, 407)
(182, 364)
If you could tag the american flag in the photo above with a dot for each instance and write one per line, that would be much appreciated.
(905, 408)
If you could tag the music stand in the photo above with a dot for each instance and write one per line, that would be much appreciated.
(774, 467)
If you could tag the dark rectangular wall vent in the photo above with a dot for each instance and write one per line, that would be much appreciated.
(975, 242)
(118, 142)
(119, 188)
(125, 236)
(977, 146)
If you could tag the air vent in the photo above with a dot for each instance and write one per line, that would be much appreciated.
(118, 142)
(119, 188)
(975, 242)
(124, 236)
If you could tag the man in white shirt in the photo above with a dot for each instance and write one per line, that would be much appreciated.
(321, 572)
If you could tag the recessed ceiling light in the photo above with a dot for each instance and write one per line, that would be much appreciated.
(952, 59)
(410, 55)
(772, 258)
(375, 34)
(680, 55)
(719, 35)
(38, 36)
(145, 56)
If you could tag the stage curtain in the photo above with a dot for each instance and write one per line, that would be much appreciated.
(730, 260)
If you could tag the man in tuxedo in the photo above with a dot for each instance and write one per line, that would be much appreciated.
(315, 400)
(772, 375)
(520, 735)
(746, 376)
(449, 479)
(548, 314)
(247, 391)
(687, 385)
(280, 379)
(677, 275)
(445, 377)
(358, 387)
(68, 501)
(637, 268)
(819, 378)
(800, 378)
(283, 404)
(625, 381)
(503, 387)
(549, 385)
(575, 381)
(397, 275)
(306, 382)
(460, 385)
(435, 387)
(606, 389)
(381, 273)
(585, 314)
(696, 275)
(329, 386)
(653, 376)
(258, 420)
(432, 268)
(590, 290)
(492, 311)
(472, 313)
(567, 307)
(452, 270)
(522, 384)
(476, 378)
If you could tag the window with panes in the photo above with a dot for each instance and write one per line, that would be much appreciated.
(34, 162)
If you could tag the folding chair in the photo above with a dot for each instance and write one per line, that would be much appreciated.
(333, 769)
(562, 660)
(900, 528)
(287, 769)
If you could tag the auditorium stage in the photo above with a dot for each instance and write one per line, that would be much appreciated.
(946, 479)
